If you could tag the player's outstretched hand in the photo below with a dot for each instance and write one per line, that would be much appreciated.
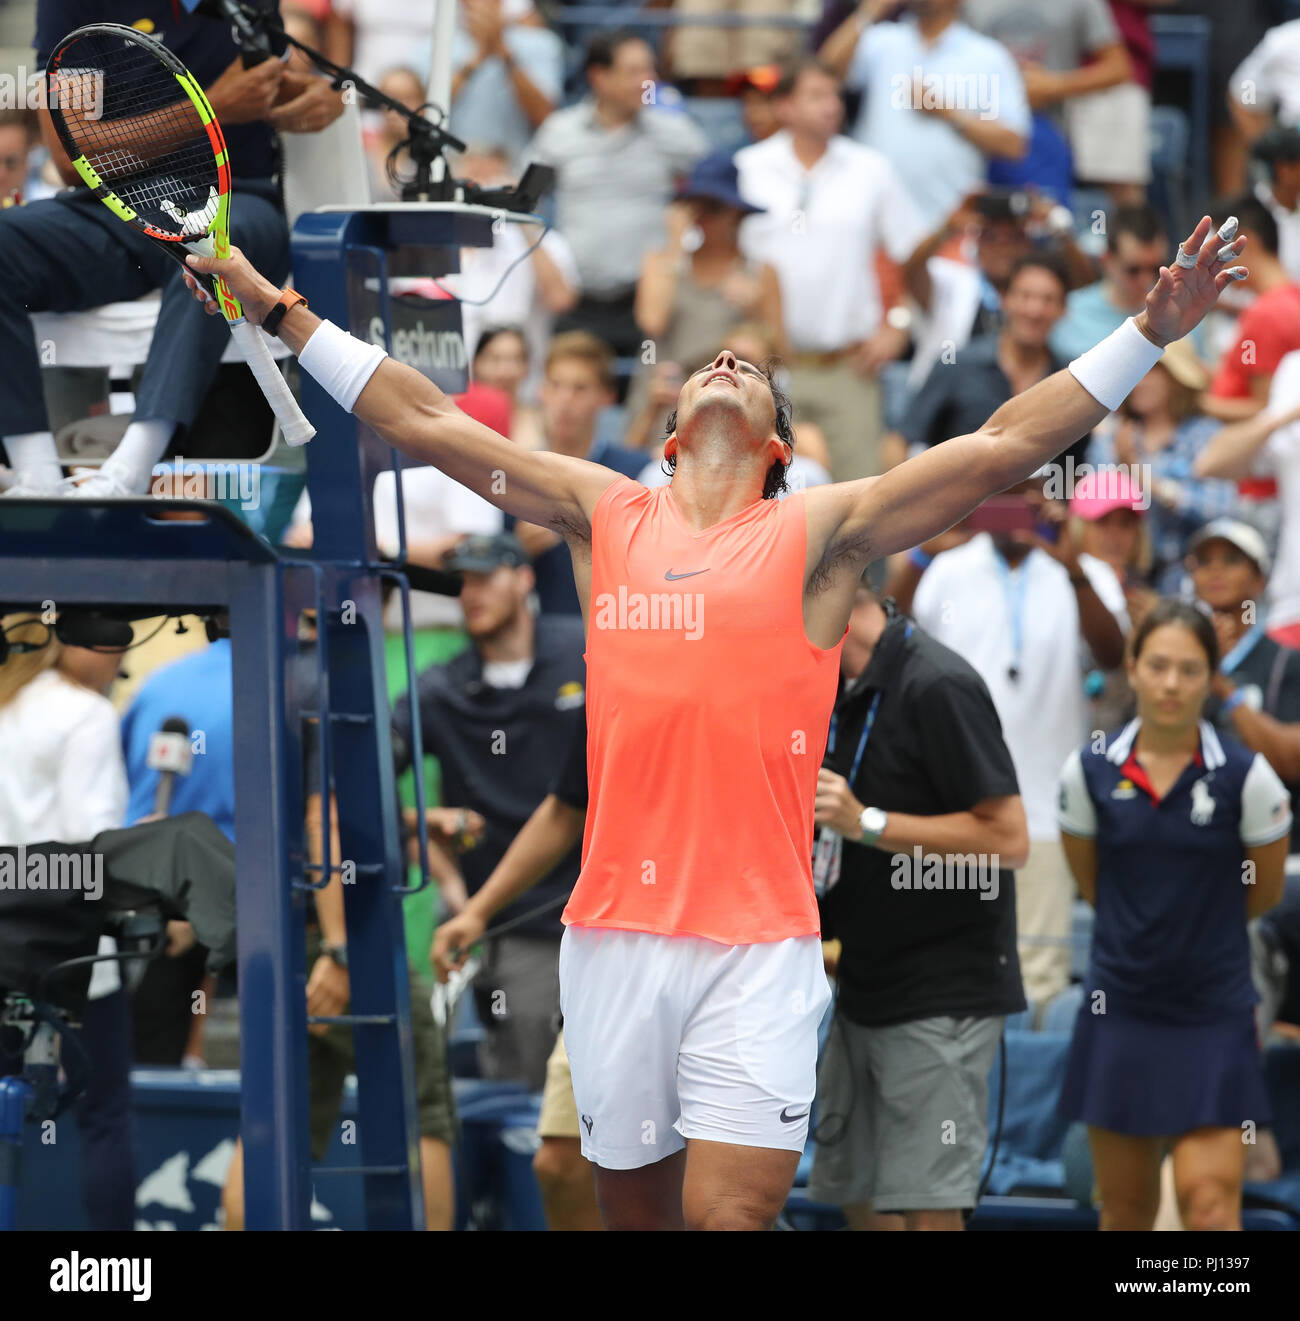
(1189, 287)
(254, 291)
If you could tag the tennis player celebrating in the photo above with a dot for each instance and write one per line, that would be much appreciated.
(690, 972)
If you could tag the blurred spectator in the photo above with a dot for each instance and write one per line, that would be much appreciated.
(1033, 618)
(967, 387)
(823, 193)
(1279, 150)
(373, 36)
(508, 76)
(940, 99)
(1119, 111)
(700, 58)
(197, 689)
(62, 779)
(440, 513)
(1107, 510)
(16, 143)
(518, 281)
(750, 342)
(1158, 431)
(500, 718)
(305, 22)
(916, 785)
(1265, 87)
(402, 85)
(502, 360)
(694, 292)
(616, 158)
(959, 275)
(959, 297)
(757, 109)
(1266, 331)
(1136, 247)
(1255, 695)
(1073, 60)
(1160, 822)
(578, 384)
(1268, 446)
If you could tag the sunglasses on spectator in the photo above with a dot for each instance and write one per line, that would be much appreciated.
(1141, 268)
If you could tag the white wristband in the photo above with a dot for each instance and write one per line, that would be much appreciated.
(1110, 370)
(340, 362)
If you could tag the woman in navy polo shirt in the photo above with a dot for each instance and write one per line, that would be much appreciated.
(1177, 836)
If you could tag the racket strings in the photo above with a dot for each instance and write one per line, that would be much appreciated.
(144, 138)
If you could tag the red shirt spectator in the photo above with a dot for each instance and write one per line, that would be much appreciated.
(1267, 331)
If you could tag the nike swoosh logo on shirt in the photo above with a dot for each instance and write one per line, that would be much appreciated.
(790, 1119)
(674, 577)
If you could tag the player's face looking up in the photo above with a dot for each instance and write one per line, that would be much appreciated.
(732, 397)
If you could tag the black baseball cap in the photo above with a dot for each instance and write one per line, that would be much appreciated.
(480, 554)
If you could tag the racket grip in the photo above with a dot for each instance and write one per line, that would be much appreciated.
(294, 427)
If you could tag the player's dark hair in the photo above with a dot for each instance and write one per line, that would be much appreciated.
(495, 332)
(1255, 217)
(603, 48)
(774, 484)
(1171, 611)
(1142, 222)
(1042, 261)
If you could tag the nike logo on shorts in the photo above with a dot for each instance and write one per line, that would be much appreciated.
(790, 1119)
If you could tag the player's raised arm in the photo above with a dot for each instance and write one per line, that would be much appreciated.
(412, 414)
(928, 494)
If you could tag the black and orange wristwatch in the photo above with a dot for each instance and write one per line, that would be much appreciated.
(288, 298)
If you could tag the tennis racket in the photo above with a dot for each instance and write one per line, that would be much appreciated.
(140, 132)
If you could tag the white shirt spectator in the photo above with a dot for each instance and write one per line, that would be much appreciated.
(63, 777)
(968, 603)
(821, 230)
(955, 291)
(1280, 458)
(388, 34)
(937, 166)
(517, 302)
(398, 34)
(1268, 79)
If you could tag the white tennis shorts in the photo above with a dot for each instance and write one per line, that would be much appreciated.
(676, 1037)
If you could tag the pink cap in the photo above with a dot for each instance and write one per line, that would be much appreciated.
(1102, 491)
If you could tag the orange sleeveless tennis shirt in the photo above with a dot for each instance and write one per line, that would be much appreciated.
(707, 716)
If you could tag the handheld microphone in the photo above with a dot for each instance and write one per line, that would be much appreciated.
(170, 755)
